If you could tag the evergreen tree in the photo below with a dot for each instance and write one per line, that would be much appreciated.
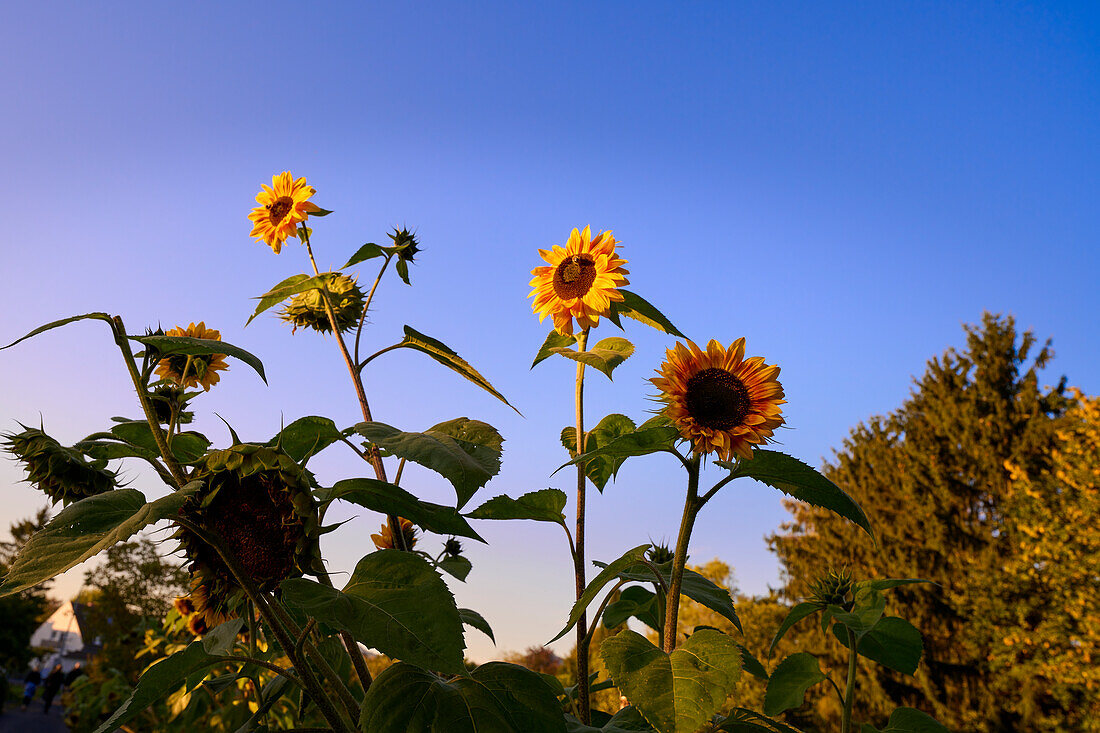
(933, 477)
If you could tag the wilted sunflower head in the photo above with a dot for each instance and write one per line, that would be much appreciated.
(307, 310)
(282, 206)
(256, 500)
(384, 540)
(580, 282)
(833, 589)
(720, 401)
(63, 474)
(193, 371)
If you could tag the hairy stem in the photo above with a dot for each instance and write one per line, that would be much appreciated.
(578, 554)
(679, 560)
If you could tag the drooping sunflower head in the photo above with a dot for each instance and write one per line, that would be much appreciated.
(720, 401)
(63, 474)
(193, 371)
(580, 280)
(833, 589)
(384, 540)
(307, 310)
(282, 206)
(257, 501)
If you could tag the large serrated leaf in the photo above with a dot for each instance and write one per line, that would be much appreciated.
(599, 470)
(368, 251)
(798, 480)
(634, 602)
(55, 324)
(554, 340)
(636, 307)
(627, 720)
(610, 572)
(893, 642)
(789, 682)
(475, 620)
(698, 588)
(293, 285)
(908, 720)
(641, 442)
(83, 529)
(677, 692)
(465, 452)
(544, 505)
(446, 356)
(306, 437)
(187, 446)
(605, 355)
(396, 603)
(495, 698)
(200, 347)
(742, 720)
(387, 498)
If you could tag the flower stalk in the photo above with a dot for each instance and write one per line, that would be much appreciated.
(692, 505)
(583, 638)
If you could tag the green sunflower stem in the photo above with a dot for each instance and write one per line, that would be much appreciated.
(366, 305)
(146, 405)
(679, 560)
(583, 639)
(850, 688)
(372, 452)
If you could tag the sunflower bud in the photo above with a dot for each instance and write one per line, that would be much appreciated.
(833, 589)
(406, 241)
(307, 310)
(384, 541)
(452, 547)
(659, 554)
(169, 398)
(63, 474)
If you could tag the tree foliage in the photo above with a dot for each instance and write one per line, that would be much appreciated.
(937, 477)
(24, 611)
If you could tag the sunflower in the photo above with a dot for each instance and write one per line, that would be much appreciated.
(307, 310)
(257, 501)
(63, 474)
(281, 207)
(202, 370)
(580, 282)
(384, 541)
(720, 401)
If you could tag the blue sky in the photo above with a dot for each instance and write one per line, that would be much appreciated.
(842, 184)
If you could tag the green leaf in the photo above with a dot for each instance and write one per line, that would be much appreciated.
(678, 692)
(544, 505)
(599, 470)
(306, 437)
(605, 355)
(889, 583)
(83, 529)
(893, 642)
(368, 251)
(187, 447)
(459, 567)
(200, 347)
(867, 610)
(385, 498)
(789, 682)
(554, 340)
(448, 358)
(908, 720)
(697, 587)
(609, 573)
(751, 664)
(94, 446)
(796, 614)
(56, 324)
(627, 720)
(466, 452)
(164, 677)
(634, 602)
(636, 307)
(798, 480)
(495, 698)
(641, 442)
(477, 621)
(319, 212)
(396, 603)
(293, 285)
(402, 268)
(220, 639)
(741, 720)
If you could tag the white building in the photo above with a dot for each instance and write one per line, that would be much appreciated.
(63, 636)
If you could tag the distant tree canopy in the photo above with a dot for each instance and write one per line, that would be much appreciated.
(985, 483)
(22, 612)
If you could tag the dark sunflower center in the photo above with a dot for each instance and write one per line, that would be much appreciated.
(717, 399)
(574, 277)
(279, 209)
(255, 518)
(178, 362)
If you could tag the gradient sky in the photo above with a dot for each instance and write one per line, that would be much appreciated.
(844, 185)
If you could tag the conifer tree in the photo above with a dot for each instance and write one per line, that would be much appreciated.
(934, 477)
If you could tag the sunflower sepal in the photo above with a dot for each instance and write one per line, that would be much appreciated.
(605, 355)
(799, 481)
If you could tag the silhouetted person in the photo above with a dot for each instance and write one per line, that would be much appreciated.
(50, 687)
(73, 675)
(30, 684)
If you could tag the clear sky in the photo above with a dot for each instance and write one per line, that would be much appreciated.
(842, 184)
